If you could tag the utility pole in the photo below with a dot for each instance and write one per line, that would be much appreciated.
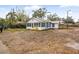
(67, 17)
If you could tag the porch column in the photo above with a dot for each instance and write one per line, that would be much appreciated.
(40, 24)
(51, 25)
(30, 24)
(33, 24)
(26, 25)
(45, 24)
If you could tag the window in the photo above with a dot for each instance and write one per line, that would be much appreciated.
(32, 24)
(36, 24)
(28, 24)
(53, 24)
(48, 24)
(43, 24)
(39, 24)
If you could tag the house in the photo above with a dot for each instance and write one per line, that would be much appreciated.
(41, 24)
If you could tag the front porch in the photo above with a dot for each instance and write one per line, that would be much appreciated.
(39, 26)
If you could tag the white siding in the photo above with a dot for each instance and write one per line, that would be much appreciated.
(56, 25)
(36, 28)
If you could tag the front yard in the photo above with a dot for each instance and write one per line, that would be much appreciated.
(49, 41)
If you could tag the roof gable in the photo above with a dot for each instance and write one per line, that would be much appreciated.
(35, 20)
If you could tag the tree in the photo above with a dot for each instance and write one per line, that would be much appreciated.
(3, 24)
(77, 21)
(22, 16)
(40, 13)
(2, 21)
(11, 16)
(53, 17)
(69, 20)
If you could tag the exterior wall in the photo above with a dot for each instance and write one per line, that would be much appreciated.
(56, 25)
(36, 28)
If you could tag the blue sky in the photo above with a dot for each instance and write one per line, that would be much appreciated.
(61, 10)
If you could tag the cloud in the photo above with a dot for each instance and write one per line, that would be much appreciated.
(29, 9)
(62, 6)
(32, 7)
(68, 6)
(3, 12)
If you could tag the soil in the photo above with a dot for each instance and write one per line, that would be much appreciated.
(39, 42)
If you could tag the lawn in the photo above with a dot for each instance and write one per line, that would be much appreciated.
(48, 41)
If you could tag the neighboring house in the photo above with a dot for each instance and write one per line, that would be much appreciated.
(41, 24)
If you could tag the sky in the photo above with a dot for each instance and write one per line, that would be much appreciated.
(61, 10)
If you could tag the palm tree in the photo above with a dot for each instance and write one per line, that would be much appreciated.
(12, 17)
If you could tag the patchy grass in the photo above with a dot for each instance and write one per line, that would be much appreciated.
(16, 29)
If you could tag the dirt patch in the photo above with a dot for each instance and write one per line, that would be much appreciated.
(3, 48)
(73, 45)
(49, 41)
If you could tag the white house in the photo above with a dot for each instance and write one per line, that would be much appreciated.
(40, 24)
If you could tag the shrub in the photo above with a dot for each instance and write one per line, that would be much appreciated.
(19, 25)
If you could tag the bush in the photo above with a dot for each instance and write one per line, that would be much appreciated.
(19, 25)
(64, 26)
(74, 25)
